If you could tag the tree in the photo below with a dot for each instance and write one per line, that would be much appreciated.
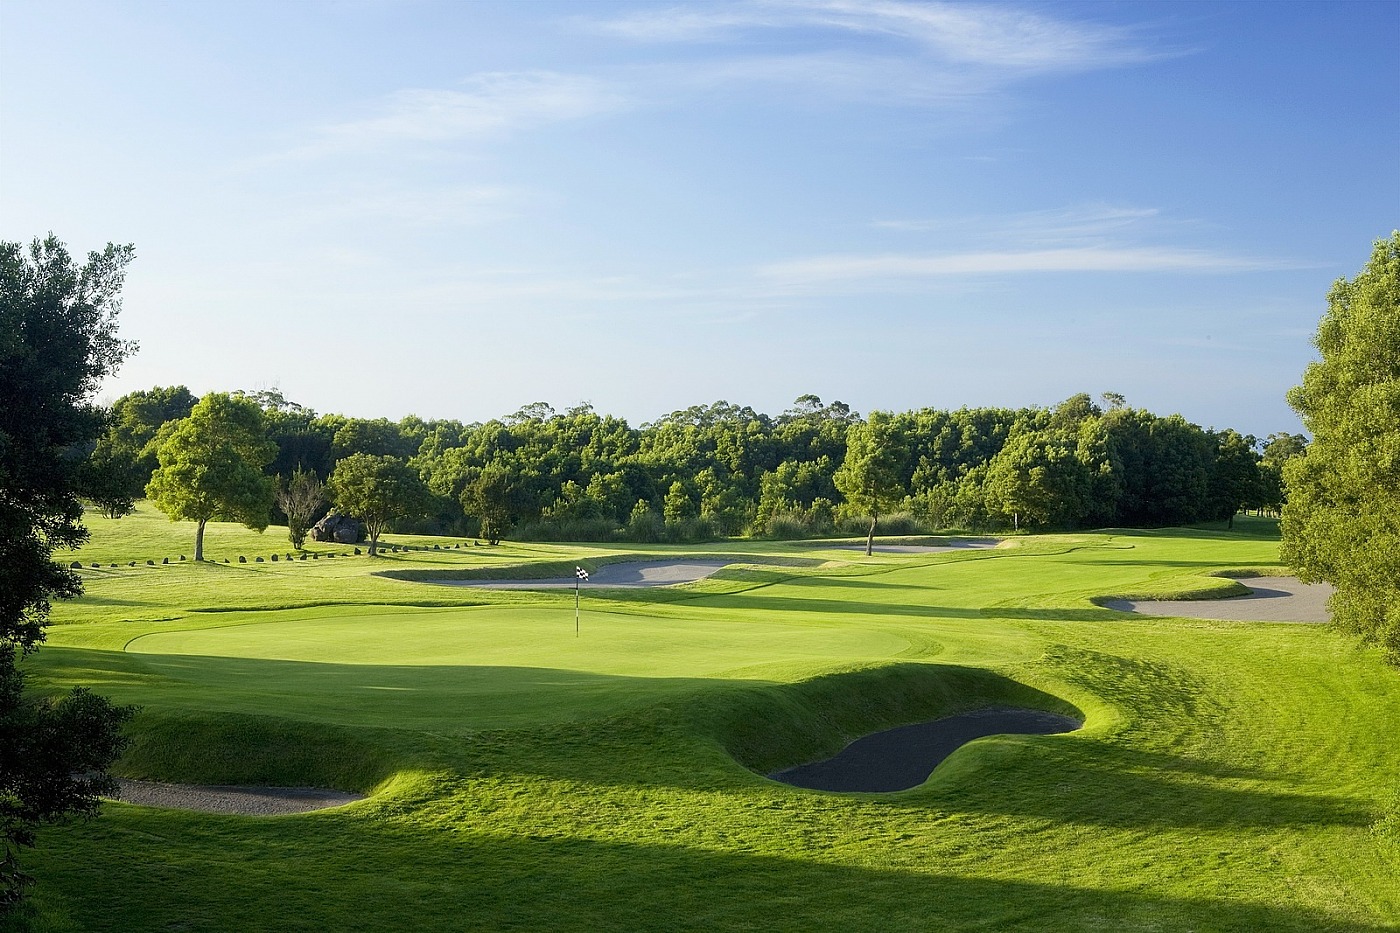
(211, 467)
(300, 499)
(134, 424)
(1038, 478)
(1235, 481)
(872, 475)
(377, 490)
(110, 479)
(491, 498)
(58, 339)
(1341, 522)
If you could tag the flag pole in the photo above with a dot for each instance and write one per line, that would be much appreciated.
(579, 576)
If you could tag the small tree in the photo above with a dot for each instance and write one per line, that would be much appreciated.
(300, 498)
(211, 467)
(872, 475)
(110, 479)
(377, 490)
(490, 497)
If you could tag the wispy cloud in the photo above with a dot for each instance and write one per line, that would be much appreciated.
(487, 105)
(995, 36)
(1056, 227)
(822, 270)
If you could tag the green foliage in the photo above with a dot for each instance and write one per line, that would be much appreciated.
(1342, 519)
(300, 499)
(58, 339)
(493, 498)
(872, 475)
(1037, 478)
(135, 422)
(111, 479)
(211, 467)
(377, 490)
(644, 525)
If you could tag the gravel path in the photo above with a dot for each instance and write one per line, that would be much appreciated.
(1271, 599)
(635, 573)
(904, 757)
(243, 801)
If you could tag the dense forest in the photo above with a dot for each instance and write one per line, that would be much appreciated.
(723, 469)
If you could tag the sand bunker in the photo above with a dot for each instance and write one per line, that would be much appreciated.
(242, 801)
(922, 548)
(904, 757)
(1271, 599)
(630, 574)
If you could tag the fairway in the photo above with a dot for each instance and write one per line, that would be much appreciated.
(520, 776)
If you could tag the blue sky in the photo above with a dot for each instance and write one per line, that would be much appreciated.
(455, 209)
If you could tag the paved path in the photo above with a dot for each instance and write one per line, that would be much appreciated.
(243, 801)
(1271, 599)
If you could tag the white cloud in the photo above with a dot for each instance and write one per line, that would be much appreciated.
(1040, 228)
(821, 270)
(490, 105)
(995, 36)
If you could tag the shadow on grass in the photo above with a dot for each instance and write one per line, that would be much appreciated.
(135, 870)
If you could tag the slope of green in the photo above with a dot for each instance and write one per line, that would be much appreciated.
(1230, 776)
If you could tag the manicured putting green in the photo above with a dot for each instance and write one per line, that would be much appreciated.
(464, 669)
(608, 643)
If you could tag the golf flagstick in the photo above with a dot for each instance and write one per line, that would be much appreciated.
(579, 576)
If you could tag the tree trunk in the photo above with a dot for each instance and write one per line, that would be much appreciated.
(870, 538)
(199, 540)
(373, 542)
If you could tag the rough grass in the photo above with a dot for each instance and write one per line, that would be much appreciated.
(1230, 776)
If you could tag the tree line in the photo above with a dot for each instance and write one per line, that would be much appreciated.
(697, 474)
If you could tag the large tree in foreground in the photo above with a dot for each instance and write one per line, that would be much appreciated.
(377, 490)
(211, 467)
(58, 338)
(1341, 522)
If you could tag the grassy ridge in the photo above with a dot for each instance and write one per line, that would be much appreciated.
(1230, 776)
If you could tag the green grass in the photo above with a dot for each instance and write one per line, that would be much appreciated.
(1230, 776)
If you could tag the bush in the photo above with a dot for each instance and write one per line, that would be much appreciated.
(896, 524)
(787, 526)
(567, 529)
(691, 530)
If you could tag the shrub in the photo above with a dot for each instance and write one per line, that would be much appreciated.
(787, 526)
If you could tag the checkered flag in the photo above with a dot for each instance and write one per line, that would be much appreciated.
(581, 573)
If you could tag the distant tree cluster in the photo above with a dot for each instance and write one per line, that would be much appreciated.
(697, 474)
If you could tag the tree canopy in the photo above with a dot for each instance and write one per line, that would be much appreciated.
(211, 466)
(58, 338)
(377, 490)
(872, 476)
(1342, 519)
